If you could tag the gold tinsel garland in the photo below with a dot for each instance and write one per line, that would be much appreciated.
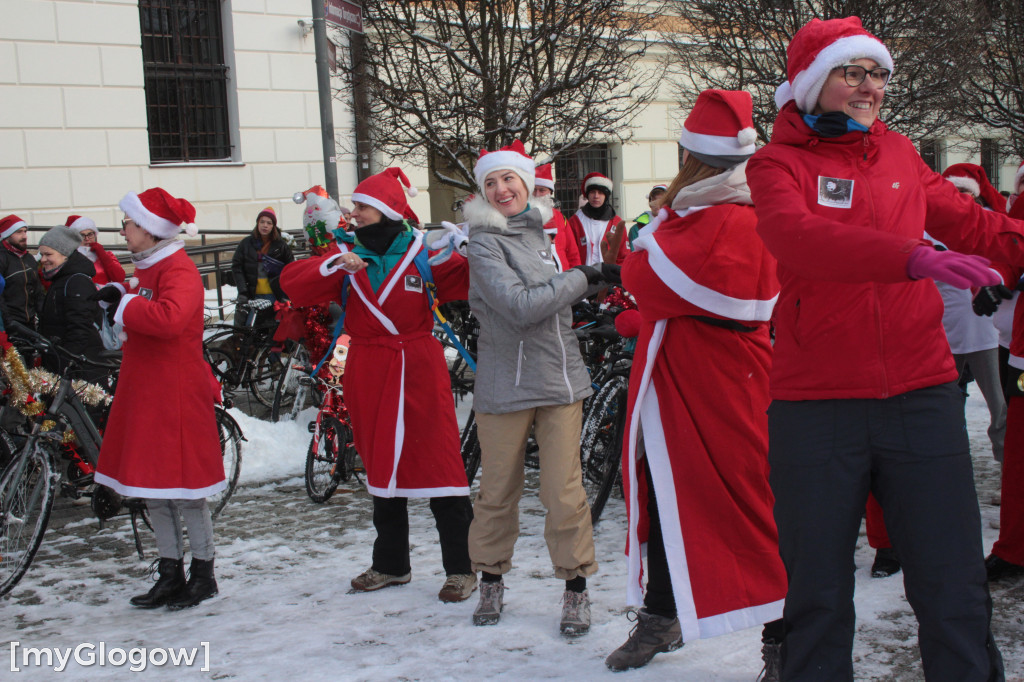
(27, 386)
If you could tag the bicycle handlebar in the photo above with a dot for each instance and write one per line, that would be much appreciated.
(21, 331)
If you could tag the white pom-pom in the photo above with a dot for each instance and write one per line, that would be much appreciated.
(298, 197)
(191, 230)
(133, 282)
(411, 191)
(746, 137)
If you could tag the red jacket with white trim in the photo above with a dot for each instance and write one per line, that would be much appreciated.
(615, 229)
(842, 215)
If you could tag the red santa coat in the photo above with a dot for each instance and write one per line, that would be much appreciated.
(161, 439)
(591, 238)
(396, 382)
(701, 393)
(566, 253)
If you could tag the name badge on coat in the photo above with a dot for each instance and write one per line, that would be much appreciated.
(414, 283)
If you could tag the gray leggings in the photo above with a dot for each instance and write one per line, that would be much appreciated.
(167, 515)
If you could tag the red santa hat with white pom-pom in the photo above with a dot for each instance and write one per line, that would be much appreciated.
(817, 48)
(387, 192)
(80, 223)
(159, 213)
(513, 158)
(720, 124)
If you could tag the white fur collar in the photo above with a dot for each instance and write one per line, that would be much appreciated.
(480, 214)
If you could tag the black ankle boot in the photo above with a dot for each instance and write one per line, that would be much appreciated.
(170, 583)
(201, 585)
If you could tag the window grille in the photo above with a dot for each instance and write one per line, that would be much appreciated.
(185, 80)
(931, 153)
(990, 160)
(570, 168)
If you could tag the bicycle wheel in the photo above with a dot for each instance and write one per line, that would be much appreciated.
(470, 448)
(265, 375)
(26, 498)
(231, 448)
(291, 397)
(601, 443)
(323, 469)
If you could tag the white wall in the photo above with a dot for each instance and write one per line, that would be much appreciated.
(73, 122)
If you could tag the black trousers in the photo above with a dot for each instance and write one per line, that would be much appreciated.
(912, 452)
(452, 516)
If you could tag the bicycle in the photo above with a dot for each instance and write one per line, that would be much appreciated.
(244, 356)
(64, 429)
(331, 457)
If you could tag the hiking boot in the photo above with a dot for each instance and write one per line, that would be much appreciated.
(370, 580)
(170, 582)
(771, 654)
(201, 586)
(575, 613)
(998, 568)
(488, 611)
(886, 563)
(457, 588)
(651, 635)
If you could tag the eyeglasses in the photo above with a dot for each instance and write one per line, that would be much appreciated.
(855, 75)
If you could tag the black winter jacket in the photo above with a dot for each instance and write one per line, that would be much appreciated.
(245, 265)
(69, 313)
(23, 293)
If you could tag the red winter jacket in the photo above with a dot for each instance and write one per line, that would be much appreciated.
(1011, 274)
(842, 215)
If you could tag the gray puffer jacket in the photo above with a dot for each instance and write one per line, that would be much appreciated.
(528, 354)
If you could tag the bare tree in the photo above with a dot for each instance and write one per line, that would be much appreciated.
(994, 97)
(742, 45)
(446, 78)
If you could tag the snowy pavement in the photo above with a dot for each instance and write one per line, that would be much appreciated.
(283, 566)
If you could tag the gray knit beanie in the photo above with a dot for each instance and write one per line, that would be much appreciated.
(62, 239)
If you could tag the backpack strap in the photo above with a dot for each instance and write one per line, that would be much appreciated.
(423, 266)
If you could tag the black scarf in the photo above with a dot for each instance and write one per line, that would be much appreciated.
(602, 212)
(379, 236)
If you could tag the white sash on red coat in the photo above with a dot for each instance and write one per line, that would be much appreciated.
(373, 304)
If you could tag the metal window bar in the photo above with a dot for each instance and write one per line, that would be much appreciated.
(570, 169)
(990, 160)
(185, 80)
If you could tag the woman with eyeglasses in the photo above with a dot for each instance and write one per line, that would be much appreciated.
(108, 269)
(863, 384)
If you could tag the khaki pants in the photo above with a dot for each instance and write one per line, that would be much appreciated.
(567, 528)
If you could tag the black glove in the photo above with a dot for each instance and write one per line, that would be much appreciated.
(110, 295)
(987, 300)
(593, 274)
(241, 300)
(611, 273)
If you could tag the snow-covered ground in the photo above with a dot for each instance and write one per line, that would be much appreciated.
(284, 611)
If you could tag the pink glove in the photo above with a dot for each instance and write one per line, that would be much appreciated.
(956, 269)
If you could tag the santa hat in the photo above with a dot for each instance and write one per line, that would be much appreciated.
(656, 188)
(387, 192)
(817, 48)
(10, 225)
(268, 212)
(80, 224)
(159, 213)
(513, 158)
(971, 178)
(721, 123)
(596, 180)
(315, 190)
(545, 178)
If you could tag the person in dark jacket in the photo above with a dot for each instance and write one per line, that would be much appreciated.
(259, 258)
(68, 311)
(21, 297)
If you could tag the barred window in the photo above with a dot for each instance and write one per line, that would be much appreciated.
(990, 159)
(931, 153)
(185, 79)
(572, 166)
